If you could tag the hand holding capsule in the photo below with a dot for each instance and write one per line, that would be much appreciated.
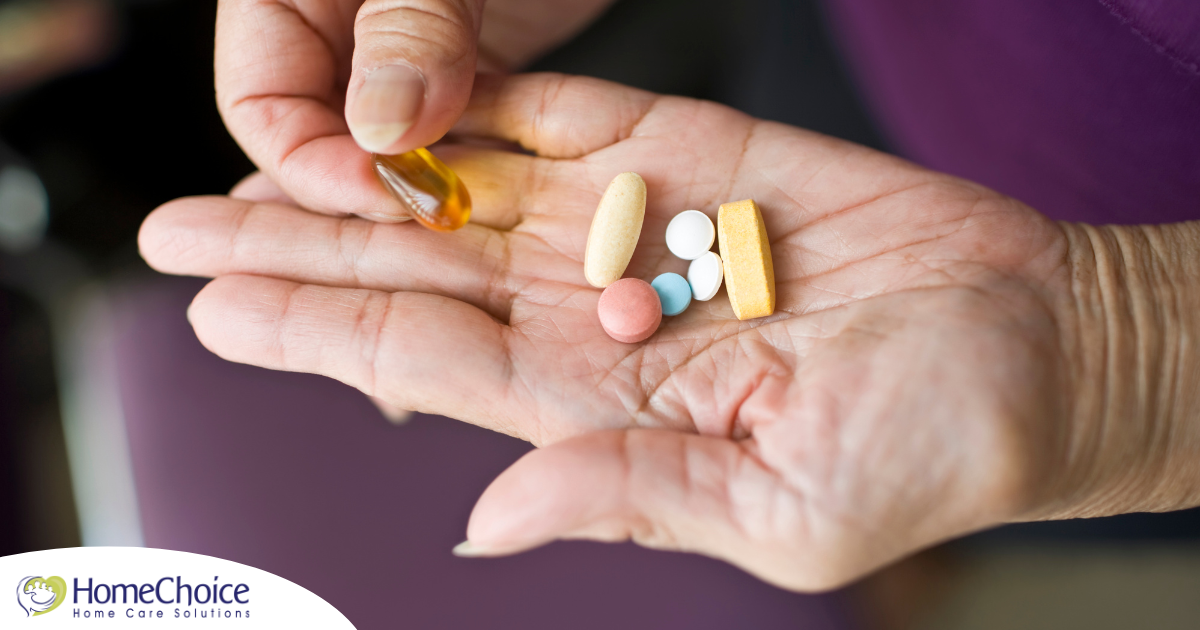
(295, 79)
(942, 358)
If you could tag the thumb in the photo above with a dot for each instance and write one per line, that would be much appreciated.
(662, 489)
(413, 66)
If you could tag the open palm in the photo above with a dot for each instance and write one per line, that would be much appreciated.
(911, 385)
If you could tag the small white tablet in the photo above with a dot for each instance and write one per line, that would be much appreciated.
(690, 234)
(705, 275)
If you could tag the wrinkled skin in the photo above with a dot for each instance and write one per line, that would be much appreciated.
(288, 73)
(911, 386)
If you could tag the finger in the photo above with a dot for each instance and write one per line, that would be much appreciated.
(280, 89)
(414, 350)
(662, 489)
(504, 186)
(394, 414)
(258, 187)
(515, 32)
(215, 236)
(554, 115)
(414, 62)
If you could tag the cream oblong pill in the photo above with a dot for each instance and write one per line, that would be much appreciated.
(690, 234)
(746, 252)
(615, 229)
(705, 275)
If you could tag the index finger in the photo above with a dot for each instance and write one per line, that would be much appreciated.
(281, 73)
(554, 115)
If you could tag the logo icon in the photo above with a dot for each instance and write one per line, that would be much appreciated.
(38, 595)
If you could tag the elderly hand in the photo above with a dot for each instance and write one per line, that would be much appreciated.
(401, 70)
(942, 359)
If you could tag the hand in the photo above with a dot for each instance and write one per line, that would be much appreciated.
(920, 379)
(286, 70)
(257, 188)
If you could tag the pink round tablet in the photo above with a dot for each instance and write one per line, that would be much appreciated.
(629, 310)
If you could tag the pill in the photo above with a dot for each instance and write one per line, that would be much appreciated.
(629, 310)
(690, 234)
(674, 293)
(427, 188)
(746, 252)
(615, 229)
(705, 275)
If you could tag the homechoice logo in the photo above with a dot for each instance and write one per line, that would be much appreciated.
(38, 595)
(160, 589)
(167, 597)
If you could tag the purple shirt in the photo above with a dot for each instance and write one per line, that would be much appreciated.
(1088, 110)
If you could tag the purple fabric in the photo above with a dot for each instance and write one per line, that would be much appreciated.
(301, 476)
(1088, 110)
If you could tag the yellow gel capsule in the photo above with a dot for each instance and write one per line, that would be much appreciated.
(426, 187)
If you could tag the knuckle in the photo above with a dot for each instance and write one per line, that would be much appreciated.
(421, 29)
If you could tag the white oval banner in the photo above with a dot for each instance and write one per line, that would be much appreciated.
(126, 587)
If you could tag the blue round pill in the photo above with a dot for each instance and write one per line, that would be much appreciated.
(674, 292)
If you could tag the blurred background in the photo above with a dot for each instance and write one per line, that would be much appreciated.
(116, 427)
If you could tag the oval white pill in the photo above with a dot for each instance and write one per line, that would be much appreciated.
(705, 275)
(690, 234)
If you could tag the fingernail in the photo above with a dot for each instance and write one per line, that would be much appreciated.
(380, 217)
(386, 106)
(188, 314)
(465, 549)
